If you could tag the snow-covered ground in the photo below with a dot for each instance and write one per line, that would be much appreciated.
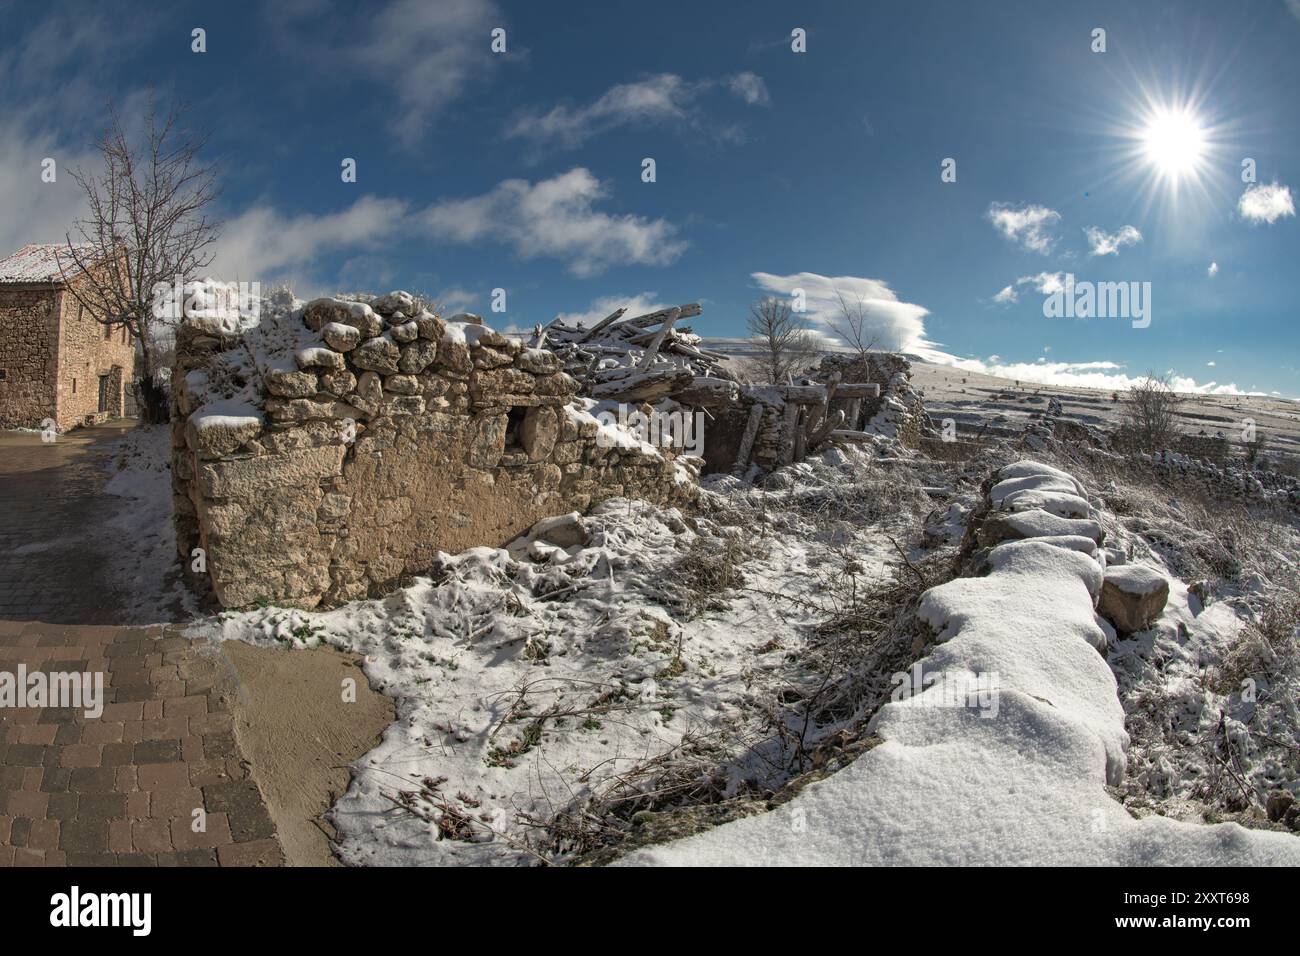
(140, 531)
(1013, 767)
(659, 659)
(537, 680)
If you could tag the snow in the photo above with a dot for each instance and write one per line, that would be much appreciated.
(40, 263)
(1136, 579)
(1036, 469)
(596, 631)
(1061, 504)
(1039, 523)
(145, 574)
(226, 413)
(952, 785)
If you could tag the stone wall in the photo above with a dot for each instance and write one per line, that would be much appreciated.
(28, 333)
(897, 412)
(329, 451)
(1213, 447)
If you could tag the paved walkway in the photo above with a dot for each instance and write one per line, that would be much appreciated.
(158, 777)
(51, 569)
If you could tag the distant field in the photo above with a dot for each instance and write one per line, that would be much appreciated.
(975, 400)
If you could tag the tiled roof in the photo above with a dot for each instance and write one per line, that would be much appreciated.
(38, 263)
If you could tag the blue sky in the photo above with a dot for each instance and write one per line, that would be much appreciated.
(774, 169)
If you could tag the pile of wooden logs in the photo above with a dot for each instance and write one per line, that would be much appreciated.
(641, 359)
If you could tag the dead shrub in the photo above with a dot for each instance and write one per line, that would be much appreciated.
(710, 569)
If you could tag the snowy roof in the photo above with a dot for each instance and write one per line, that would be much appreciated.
(38, 262)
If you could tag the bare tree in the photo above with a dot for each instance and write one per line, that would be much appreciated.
(852, 323)
(1150, 414)
(785, 344)
(146, 225)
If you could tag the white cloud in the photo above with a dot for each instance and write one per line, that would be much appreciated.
(1211, 364)
(555, 218)
(262, 244)
(1044, 282)
(1102, 243)
(1266, 203)
(35, 211)
(428, 53)
(1213, 270)
(1108, 376)
(1028, 225)
(661, 98)
(654, 99)
(638, 304)
(749, 87)
(456, 299)
(895, 324)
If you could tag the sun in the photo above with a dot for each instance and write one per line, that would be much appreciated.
(1174, 142)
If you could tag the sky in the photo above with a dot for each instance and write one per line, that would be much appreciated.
(948, 165)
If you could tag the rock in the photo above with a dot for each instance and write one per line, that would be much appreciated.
(321, 312)
(334, 506)
(379, 354)
(431, 327)
(394, 302)
(467, 317)
(563, 531)
(405, 331)
(370, 387)
(340, 337)
(338, 383)
(417, 356)
(402, 384)
(1278, 803)
(288, 383)
(316, 356)
(539, 432)
(539, 361)
(1036, 523)
(220, 437)
(454, 357)
(1132, 597)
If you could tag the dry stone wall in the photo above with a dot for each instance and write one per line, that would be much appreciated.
(327, 452)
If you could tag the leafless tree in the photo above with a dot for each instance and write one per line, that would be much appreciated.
(1150, 414)
(146, 224)
(785, 344)
(852, 323)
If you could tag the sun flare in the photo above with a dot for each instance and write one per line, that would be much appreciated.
(1174, 141)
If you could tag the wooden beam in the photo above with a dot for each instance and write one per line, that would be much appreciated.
(607, 320)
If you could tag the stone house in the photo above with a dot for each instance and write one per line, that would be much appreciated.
(56, 361)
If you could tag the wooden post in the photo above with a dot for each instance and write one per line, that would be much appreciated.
(747, 438)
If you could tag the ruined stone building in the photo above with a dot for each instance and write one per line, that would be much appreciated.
(327, 452)
(56, 361)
